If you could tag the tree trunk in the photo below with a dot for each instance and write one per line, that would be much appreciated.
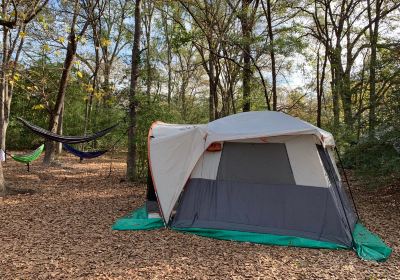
(148, 19)
(320, 84)
(4, 89)
(89, 102)
(3, 84)
(55, 114)
(131, 158)
(60, 131)
(169, 55)
(212, 87)
(346, 94)
(2, 181)
(373, 34)
(246, 76)
(272, 56)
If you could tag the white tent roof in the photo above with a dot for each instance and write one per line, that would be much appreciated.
(262, 124)
(175, 149)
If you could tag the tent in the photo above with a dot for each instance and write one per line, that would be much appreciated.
(262, 177)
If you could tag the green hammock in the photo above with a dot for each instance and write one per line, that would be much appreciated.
(27, 159)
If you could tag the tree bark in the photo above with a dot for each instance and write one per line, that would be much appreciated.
(60, 131)
(272, 55)
(247, 73)
(56, 111)
(147, 22)
(2, 181)
(131, 158)
(4, 88)
(320, 84)
(169, 55)
(373, 35)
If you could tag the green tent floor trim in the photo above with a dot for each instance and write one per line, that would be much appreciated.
(138, 220)
(369, 246)
(29, 157)
(261, 238)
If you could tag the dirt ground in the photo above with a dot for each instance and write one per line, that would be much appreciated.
(63, 231)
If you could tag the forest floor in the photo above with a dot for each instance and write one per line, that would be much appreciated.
(63, 231)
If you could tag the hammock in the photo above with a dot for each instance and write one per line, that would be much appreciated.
(82, 154)
(28, 158)
(65, 139)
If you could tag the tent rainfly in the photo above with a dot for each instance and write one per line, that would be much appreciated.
(262, 177)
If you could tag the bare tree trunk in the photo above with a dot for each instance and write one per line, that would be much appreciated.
(320, 84)
(373, 37)
(147, 22)
(3, 94)
(272, 54)
(60, 131)
(335, 99)
(2, 181)
(212, 87)
(4, 88)
(131, 158)
(89, 102)
(169, 56)
(247, 73)
(68, 62)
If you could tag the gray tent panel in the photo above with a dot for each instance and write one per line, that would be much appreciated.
(258, 163)
(290, 210)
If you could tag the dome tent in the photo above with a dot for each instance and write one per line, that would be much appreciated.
(262, 177)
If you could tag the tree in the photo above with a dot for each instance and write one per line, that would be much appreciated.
(133, 89)
(14, 15)
(344, 43)
(247, 17)
(72, 45)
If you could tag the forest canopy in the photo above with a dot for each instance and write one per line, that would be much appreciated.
(75, 67)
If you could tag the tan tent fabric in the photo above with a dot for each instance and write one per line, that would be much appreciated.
(306, 164)
(207, 166)
(173, 153)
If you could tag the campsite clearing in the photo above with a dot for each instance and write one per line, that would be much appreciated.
(63, 230)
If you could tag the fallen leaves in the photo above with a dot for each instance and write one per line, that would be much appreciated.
(63, 231)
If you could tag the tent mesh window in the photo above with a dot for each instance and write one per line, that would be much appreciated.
(255, 163)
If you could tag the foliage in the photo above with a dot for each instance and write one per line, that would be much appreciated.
(189, 45)
(375, 162)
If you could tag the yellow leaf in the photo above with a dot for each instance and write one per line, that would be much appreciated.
(89, 88)
(61, 40)
(104, 42)
(83, 40)
(22, 34)
(38, 107)
(45, 47)
(79, 74)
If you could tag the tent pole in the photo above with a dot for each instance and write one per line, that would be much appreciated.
(347, 182)
(331, 174)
